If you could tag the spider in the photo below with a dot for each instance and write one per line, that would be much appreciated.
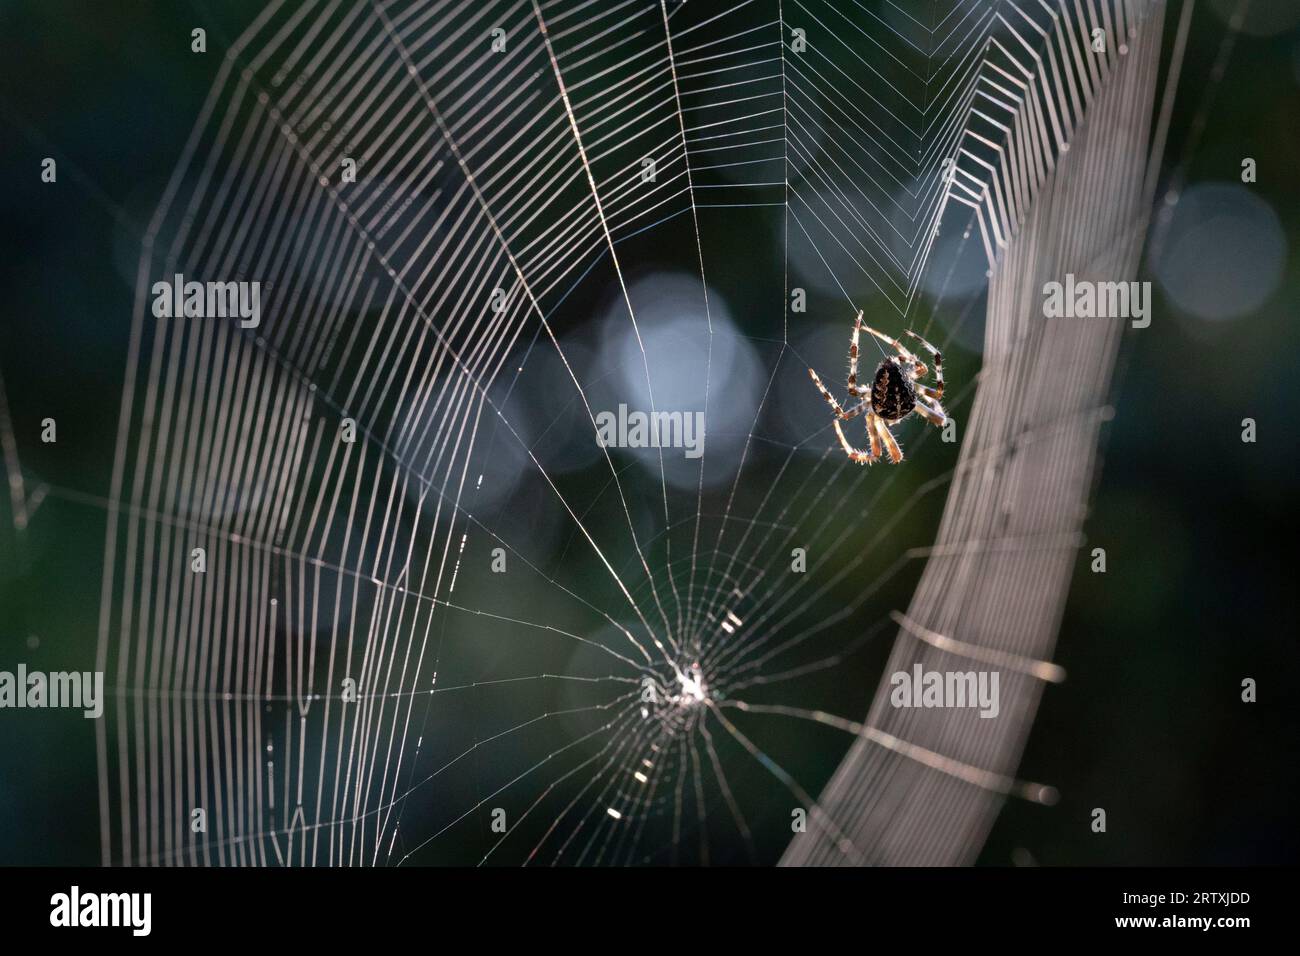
(894, 394)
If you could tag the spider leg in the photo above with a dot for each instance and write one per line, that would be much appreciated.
(924, 344)
(836, 407)
(887, 439)
(856, 454)
(935, 415)
(902, 350)
(938, 366)
(853, 356)
(871, 433)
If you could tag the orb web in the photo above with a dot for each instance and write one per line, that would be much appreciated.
(473, 632)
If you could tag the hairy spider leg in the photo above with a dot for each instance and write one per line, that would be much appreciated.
(910, 358)
(836, 407)
(857, 454)
(927, 391)
(937, 392)
(887, 439)
(935, 415)
(853, 358)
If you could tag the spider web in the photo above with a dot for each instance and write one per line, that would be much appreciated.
(473, 634)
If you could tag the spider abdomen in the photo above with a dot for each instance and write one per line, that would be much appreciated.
(892, 394)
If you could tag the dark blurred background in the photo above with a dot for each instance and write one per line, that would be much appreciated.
(1198, 526)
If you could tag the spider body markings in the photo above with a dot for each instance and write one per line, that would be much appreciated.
(894, 393)
(893, 396)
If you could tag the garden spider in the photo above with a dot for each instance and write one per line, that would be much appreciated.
(894, 394)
